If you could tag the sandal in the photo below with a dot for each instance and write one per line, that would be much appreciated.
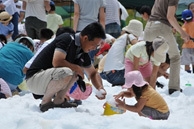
(46, 106)
(66, 104)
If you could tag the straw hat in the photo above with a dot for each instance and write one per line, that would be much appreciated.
(5, 17)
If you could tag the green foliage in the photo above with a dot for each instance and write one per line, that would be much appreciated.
(132, 15)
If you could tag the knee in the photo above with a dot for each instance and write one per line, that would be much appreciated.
(61, 73)
(175, 58)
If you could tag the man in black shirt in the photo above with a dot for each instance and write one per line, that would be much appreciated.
(58, 66)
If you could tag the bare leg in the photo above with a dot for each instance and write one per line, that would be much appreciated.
(54, 87)
(61, 94)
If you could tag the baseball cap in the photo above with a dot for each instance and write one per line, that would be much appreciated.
(187, 15)
(104, 48)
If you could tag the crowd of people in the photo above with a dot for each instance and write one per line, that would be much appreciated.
(51, 61)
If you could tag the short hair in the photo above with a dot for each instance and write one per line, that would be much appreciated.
(46, 33)
(145, 9)
(3, 38)
(190, 4)
(52, 7)
(62, 30)
(94, 30)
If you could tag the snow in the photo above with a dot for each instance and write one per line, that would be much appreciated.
(22, 112)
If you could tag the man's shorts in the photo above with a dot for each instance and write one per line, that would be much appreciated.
(38, 83)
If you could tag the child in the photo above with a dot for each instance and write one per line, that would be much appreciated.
(149, 102)
(143, 54)
(145, 12)
(187, 57)
(54, 21)
(5, 25)
(191, 7)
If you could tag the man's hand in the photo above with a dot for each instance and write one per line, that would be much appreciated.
(101, 94)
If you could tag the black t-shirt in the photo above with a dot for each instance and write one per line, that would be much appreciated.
(66, 43)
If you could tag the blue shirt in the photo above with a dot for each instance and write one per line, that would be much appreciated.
(6, 30)
(13, 57)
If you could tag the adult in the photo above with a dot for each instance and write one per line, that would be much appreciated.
(35, 16)
(112, 22)
(58, 65)
(160, 23)
(9, 6)
(86, 12)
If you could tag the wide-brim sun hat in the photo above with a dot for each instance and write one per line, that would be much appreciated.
(160, 47)
(5, 17)
(134, 27)
(134, 78)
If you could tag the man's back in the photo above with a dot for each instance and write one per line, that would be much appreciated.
(159, 10)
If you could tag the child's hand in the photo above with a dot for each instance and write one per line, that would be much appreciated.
(120, 104)
(120, 95)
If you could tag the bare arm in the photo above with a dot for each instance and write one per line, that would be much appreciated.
(102, 16)
(133, 108)
(96, 81)
(135, 63)
(153, 77)
(171, 18)
(76, 16)
(47, 5)
(59, 61)
(24, 5)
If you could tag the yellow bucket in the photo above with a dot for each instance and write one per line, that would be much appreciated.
(111, 110)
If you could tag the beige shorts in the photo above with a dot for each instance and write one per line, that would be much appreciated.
(38, 83)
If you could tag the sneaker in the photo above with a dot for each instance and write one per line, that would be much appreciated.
(173, 90)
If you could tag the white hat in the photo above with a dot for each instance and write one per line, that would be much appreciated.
(160, 47)
(134, 27)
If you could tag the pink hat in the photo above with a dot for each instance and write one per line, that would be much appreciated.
(78, 94)
(104, 48)
(134, 78)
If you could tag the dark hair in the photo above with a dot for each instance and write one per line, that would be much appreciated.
(46, 33)
(3, 38)
(167, 59)
(26, 42)
(190, 5)
(94, 30)
(52, 7)
(145, 9)
(138, 90)
(149, 49)
(62, 30)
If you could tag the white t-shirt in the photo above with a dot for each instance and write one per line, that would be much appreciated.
(36, 8)
(115, 56)
(139, 50)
